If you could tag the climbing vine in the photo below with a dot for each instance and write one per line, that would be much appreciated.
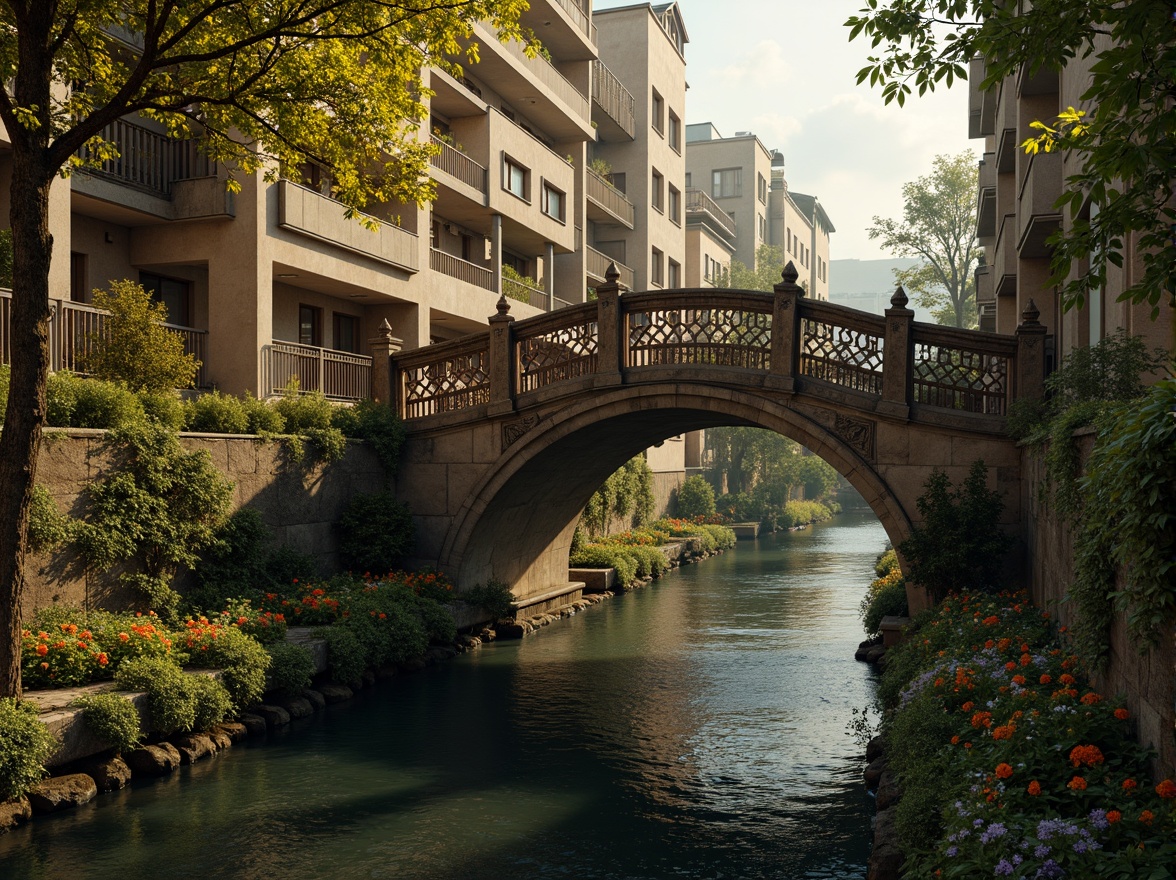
(628, 493)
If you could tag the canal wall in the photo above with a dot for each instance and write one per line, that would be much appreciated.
(299, 503)
(1147, 680)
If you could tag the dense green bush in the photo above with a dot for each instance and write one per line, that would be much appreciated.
(375, 533)
(345, 654)
(958, 545)
(651, 562)
(170, 694)
(216, 413)
(885, 597)
(212, 701)
(164, 407)
(494, 597)
(696, 497)
(607, 556)
(25, 745)
(49, 528)
(378, 425)
(303, 411)
(291, 668)
(627, 495)
(74, 402)
(113, 719)
(260, 417)
(243, 662)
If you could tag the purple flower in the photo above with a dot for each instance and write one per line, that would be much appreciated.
(952, 852)
(992, 832)
(1080, 847)
(976, 823)
(1098, 820)
(1003, 868)
(1041, 851)
(1050, 869)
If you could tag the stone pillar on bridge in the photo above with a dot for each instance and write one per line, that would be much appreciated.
(1030, 355)
(897, 357)
(785, 330)
(384, 347)
(501, 356)
(609, 353)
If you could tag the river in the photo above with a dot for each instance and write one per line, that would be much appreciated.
(692, 729)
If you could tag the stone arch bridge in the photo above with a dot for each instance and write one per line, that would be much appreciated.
(510, 431)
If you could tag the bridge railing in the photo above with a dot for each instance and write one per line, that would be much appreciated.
(779, 341)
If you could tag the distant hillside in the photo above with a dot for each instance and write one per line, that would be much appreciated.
(868, 284)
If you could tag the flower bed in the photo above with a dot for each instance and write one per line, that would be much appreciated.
(1010, 764)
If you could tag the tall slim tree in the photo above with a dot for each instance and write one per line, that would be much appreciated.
(939, 227)
(261, 82)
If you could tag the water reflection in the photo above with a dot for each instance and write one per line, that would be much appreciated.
(693, 729)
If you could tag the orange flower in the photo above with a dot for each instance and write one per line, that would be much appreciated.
(1166, 789)
(1076, 784)
(1089, 755)
(103, 659)
(1114, 816)
(1019, 679)
(1005, 731)
(1045, 679)
(1026, 659)
(990, 644)
(991, 620)
(1003, 771)
(1091, 699)
(955, 740)
(967, 745)
(1034, 788)
(967, 707)
(1010, 666)
(982, 719)
(123, 637)
(1146, 817)
(1066, 678)
(42, 650)
(1122, 714)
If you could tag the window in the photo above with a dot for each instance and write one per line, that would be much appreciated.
(657, 109)
(674, 136)
(763, 227)
(655, 192)
(727, 183)
(688, 183)
(552, 203)
(519, 263)
(655, 267)
(675, 204)
(516, 179)
(674, 274)
(310, 325)
(175, 296)
(761, 188)
(78, 289)
(346, 335)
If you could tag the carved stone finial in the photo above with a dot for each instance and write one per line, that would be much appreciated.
(1031, 313)
(790, 274)
(386, 330)
(503, 306)
(899, 300)
(787, 283)
(612, 275)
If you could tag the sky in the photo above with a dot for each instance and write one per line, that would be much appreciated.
(785, 70)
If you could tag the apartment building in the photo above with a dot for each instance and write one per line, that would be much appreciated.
(274, 281)
(1016, 216)
(742, 179)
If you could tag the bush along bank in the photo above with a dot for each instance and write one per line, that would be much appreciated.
(124, 695)
(641, 555)
(1004, 762)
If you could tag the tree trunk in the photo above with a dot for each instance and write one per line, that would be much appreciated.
(20, 439)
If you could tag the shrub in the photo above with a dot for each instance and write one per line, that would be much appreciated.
(345, 654)
(74, 402)
(113, 719)
(696, 497)
(65, 646)
(494, 597)
(886, 562)
(303, 411)
(627, 495)
(261, 418)
(607, 556)
(243, 661)
(164, 407)
(886, 596)
(25, 745)
(291, 668)
(211, 699)
(959, 545)
(169, 694)
(378, 425)
(49, 528)
(375, 532)
(216, 413)
(133, 348)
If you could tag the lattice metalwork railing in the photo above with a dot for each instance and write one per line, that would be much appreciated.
(724, 337)
(458, 381)
(842, 355)
(956, 378)
(556, 356)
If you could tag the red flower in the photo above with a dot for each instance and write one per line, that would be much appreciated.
(1034, 788)
(1114, 816)
(1076, 784)
(42, 650)
(1089, 755)
(1146, 817)
(1122, 714)
(1166, 789)
(1091, 699)
(1045, 679)
(1003, 771)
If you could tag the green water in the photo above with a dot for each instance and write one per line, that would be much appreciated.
(692, 729)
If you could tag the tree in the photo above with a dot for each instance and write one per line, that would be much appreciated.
(939, 227)
(769, 261)
(1125, 141)
(262, 83)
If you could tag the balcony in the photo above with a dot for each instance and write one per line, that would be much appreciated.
(597, 265)
(1004, 261)
(617, 119)
(610, 204)
(459, 166)
(312, 214)
(986, 202)
(339, 375)
(75, 324)
(702, 208)
(1038, 217)
(981, 104)
(1005, 128)
(462, 270)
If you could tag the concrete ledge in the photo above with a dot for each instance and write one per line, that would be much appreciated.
(596, 580)
(745, 531)
(562, 595)
(891, 629)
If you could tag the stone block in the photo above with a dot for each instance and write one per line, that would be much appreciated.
(335, 693)
(235, 730)
(427, 485)
(220, 739)
(463, 478)
(61, 793)
(298, 707)
(275, 716)
(109, 774)
(14, 813)
(254, 724)
(193, 746)
(242, 457)
(315, 698)
(217, 450)
(486, 443)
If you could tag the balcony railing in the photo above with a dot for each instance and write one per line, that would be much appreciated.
(339, 375)
(457, 164)
(76, 325)
(613, 98)
(610, 199)
(525, 290)
(698, 202)
(462, 270)
(597, 265)
(149, 160)
(545, 72)
(579, 16)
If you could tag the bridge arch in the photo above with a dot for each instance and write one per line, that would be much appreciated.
(517, 521)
